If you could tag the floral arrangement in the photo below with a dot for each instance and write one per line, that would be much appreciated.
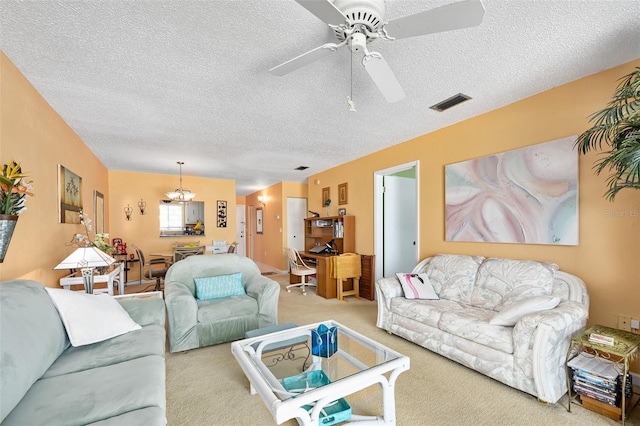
(14, 189)
(327, 202)
(99, 240)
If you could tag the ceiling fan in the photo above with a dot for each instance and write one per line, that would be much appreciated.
(357, 22)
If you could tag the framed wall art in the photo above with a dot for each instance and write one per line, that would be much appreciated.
(527, 196)
(326, 195)
(222, 213)
(98, 211)
(69, 195)
(343, 193)
(259, 219)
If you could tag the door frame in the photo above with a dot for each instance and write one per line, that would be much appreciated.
(378, 209)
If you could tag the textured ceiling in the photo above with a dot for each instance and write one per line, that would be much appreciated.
(149, 83)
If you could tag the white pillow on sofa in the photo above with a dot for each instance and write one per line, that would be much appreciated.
(512, 313)
(417, 286)
(90, 318)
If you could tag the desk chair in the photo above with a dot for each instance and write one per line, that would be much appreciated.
(299, 268)
(156, 268)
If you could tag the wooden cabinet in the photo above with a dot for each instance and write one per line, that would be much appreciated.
(340, 229)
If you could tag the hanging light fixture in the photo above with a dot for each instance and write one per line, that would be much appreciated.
(180, 194)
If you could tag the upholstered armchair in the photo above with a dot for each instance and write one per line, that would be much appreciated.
(200, 313)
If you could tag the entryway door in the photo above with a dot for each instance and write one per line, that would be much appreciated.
(296, 212)
(396, 219)
(241, 230)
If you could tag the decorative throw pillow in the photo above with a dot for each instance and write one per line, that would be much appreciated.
(511, 314)
(417, 286)
(90, 318)
(219, 286)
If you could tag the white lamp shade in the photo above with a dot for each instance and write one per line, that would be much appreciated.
(84, 257)
(181, 195)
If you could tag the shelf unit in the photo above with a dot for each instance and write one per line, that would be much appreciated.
(321, 230)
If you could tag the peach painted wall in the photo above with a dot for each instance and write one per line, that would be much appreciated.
(143, 231)
(607, 257)
(32, 133)
(269, 246)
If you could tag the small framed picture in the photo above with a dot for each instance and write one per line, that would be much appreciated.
(343, 193)
(342, 212)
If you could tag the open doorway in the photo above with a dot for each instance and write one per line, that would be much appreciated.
(396, 213)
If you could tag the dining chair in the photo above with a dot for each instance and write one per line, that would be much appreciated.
(180, 253)
(156, 269)
(298, 267)
(232, 247)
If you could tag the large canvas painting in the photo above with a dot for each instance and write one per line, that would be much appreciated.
(527, 195)
(69, 195)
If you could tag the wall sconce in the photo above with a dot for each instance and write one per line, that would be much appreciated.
(128, 211)
(262, 200)
(142, 206)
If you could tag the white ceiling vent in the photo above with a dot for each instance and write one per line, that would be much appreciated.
(450, 102)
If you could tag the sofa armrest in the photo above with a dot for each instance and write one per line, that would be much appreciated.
(266, 291)
(541, 341)
(182, 313)
(386, 289)
(145, 311)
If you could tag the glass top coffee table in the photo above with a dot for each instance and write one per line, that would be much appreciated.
(295, 383)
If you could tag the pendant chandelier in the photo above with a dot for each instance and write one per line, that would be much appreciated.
(180, 194)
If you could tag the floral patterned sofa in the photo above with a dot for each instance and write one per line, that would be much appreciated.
(473, 291)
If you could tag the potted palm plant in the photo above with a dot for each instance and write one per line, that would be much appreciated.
(618, 128)
(14, 190)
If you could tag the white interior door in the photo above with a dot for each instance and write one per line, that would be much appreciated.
(400, 230)
(296, 212)
(393, 238)
(241, 230)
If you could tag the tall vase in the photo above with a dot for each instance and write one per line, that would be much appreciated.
(7, 225)
(328, 210)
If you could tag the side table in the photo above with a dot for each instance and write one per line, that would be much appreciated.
(116, 274)
(626, 346)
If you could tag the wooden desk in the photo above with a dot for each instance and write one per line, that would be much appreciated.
(325, 287)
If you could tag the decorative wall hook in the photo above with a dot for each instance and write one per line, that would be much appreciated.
(128, 211)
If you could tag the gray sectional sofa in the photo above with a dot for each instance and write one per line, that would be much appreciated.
(46, 381)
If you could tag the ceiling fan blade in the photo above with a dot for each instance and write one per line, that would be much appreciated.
(453, 16)
(324, 10)
(383, 77)
(304, 59)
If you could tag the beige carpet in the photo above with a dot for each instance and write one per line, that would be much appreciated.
(207, 387)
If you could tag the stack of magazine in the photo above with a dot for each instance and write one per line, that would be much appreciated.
(598, 379)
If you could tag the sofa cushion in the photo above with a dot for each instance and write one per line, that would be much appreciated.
(149, 340)
(425, 311)
(214, 310)
(219, 286)
(32, 338)
(149, 416)
(473, 324)
(90, 318)
(93, 395)
(501, 282)
(512, 313)
(417, 286)
(453, 275)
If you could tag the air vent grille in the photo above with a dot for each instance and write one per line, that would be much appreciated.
(450, 102)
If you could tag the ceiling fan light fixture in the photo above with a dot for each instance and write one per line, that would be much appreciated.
(351, 105)
(181, 195)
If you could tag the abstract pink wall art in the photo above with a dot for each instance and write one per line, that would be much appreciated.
(527, 195)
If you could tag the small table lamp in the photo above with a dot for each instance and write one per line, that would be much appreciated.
(86, 259)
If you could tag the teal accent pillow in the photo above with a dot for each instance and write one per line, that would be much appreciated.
(219, 286)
